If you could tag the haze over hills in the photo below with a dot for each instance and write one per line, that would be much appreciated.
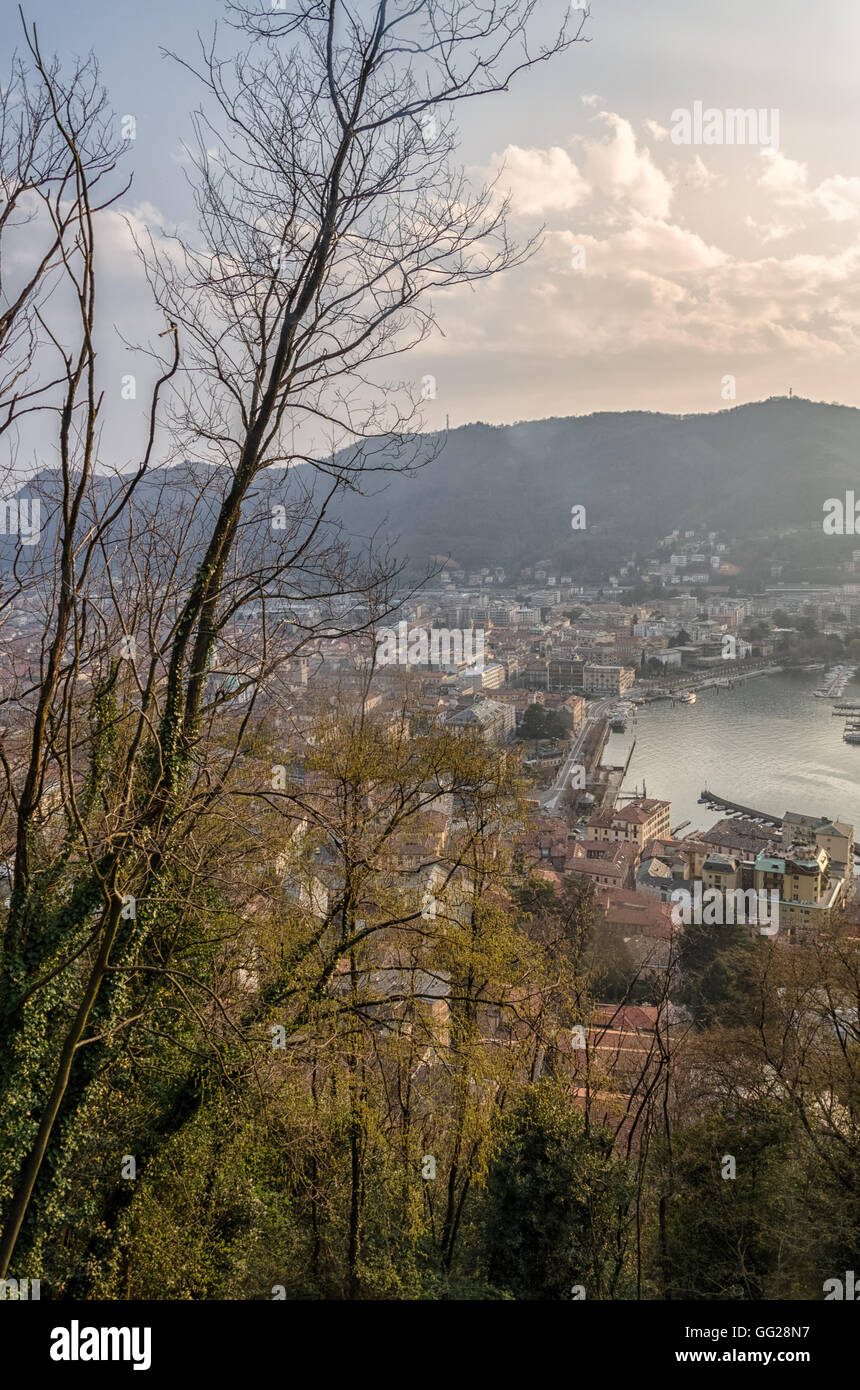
(502, 495)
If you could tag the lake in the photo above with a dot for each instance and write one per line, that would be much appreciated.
(767, 743)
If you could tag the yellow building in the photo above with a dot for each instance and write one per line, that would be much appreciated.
(721, 871)
(607, 680)
(834, 836)
(837, 838)
(641, 820)
(809, 893)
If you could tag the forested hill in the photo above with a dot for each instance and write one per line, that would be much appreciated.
(502, 495)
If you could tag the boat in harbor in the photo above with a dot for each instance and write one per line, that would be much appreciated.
(619, 715)
(834, 683)
(686, 697)
(851, 736)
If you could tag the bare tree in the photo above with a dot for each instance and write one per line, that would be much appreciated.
(330, 207)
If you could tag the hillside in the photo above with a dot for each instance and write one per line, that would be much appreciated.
(503, 494)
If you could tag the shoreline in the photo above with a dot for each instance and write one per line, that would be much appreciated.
(723, 744)
(708, 683)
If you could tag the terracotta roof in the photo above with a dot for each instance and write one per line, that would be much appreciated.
(636, 913)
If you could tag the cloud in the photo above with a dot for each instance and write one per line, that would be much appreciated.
(769, 231)
(784, 179)
(613, 170)
(665, 286)
(787, 181)
(651, 245)
(541, 181)
(659, 132)
(839, 197)
(686, 268)
(624, 173)
(698, 175)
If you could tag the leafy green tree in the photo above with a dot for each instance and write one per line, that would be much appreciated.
(715, 975)
(555, 1202)
(734, 1221)
(538, 722)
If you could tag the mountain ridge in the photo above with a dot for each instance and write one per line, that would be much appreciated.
(502, 494)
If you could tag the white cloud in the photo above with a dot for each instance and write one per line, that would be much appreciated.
(651, 244)
(769, 231)
(660, 293)
(623, 172)
(698, 175)
(839, 197)
(541, 181)
(785, 179)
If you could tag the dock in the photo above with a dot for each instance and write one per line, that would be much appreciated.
(720, 803)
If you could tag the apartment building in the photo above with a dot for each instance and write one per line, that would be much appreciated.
(493, 718)
(723, 872)
(641, 820)
(607, 680)
(836, 837)
(492, 675)
(607, 865)
(738, 836)
(809, 893)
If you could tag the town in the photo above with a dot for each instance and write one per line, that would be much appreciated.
(429, 675)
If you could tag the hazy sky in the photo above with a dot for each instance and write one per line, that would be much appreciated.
(666, 268)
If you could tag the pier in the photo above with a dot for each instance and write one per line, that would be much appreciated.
(719, 803)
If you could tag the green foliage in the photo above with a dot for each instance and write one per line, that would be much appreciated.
(741, 1237)
(304, 1169)
(554, 1207)
(538, 722)
(715, 971)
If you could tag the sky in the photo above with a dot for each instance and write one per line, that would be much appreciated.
(673, 276)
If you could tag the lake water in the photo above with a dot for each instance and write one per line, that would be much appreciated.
(767, 743)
